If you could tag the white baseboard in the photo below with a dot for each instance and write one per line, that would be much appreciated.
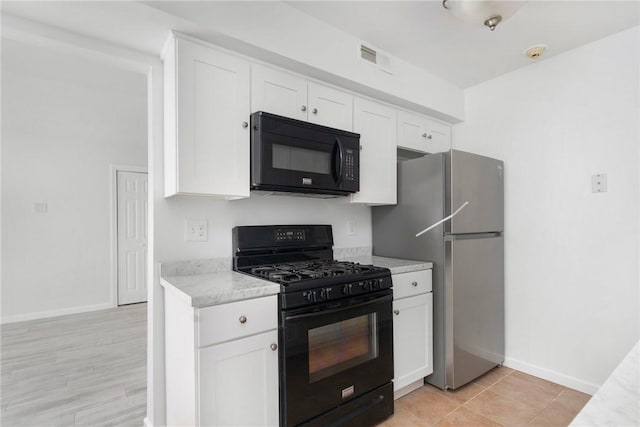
(54, 313)
(553, 376)
(147, 423)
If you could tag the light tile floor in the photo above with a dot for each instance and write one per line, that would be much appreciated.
(501, 397)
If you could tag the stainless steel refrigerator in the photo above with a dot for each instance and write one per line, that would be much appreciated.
(467, 254)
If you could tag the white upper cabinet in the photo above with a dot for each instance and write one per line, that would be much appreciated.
(207, 113)
(330, 107)
(278, 93)
(291, 96)
(422, 134)
(438, 136)
(412, 131)
(376, 124)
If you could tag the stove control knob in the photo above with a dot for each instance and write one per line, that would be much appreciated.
(309, 296)
(322, 294)
(327, 292)
(346, 289)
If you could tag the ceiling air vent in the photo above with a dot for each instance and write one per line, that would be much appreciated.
(375, 57)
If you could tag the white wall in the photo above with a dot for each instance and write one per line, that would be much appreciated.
(223, 215)
(65, 120)
(571, 256)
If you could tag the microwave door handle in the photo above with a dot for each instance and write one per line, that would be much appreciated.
(340, 163)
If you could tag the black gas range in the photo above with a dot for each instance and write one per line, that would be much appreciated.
(300, 259)
(335, 325)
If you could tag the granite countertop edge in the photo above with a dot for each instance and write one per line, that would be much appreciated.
(213, 287)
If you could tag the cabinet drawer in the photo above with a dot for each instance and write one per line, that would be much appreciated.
(237, 319)
(413, 283)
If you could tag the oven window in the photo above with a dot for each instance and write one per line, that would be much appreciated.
(339, 346)
(300, 159)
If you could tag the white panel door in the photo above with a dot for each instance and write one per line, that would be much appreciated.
(412, 131)
(279, 93)
(412, 339)
(238, 382)
(330, 107)
(213, 115)
(438, 136)
(376, 124)
(132, 188)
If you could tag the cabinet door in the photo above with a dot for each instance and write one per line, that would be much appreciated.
(330, 107)
(412, 339)
(438, 136)
(412, 131)
(279, 93)
(212, 115)
(376, 124)
(239, 382)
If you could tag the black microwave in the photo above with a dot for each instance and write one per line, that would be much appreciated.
(289, 155)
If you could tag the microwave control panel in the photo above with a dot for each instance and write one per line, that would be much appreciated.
(349, 173)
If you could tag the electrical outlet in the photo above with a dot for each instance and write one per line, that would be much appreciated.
(599, 183)
(196, 230)
(352, 228)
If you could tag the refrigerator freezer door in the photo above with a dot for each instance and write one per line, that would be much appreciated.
(474, 301)
(478, 180)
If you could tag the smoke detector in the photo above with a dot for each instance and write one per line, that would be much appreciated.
(536, 51)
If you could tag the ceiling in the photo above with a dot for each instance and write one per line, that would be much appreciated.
(425, 34)
(419, 32)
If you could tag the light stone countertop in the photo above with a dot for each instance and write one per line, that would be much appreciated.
(201, 290)
(396, 265)
(208, 282)
(617, 402)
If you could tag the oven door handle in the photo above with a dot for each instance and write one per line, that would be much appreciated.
(341, 308)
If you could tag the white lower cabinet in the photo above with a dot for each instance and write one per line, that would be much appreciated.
(412, 330)
(239, 382)
(221, 364)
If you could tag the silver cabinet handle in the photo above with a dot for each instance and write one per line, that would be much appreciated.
(243, 319)
(429, 136)
(245, 124)
(424, 135)
(396, 312)
(315, 111)
(303, 108)
(414, 283)
(274, 346)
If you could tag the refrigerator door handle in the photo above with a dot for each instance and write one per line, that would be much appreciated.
(443, 219)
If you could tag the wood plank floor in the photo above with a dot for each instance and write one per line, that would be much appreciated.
(90, 370)
(84, 369)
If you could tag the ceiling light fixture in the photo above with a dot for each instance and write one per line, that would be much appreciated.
(491, 13)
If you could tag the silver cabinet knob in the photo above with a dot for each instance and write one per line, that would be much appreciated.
(424, 135)
(245, 124)
(315, 111)
(429, 136)
(361, 148)
(243, 319)
(274, 346)
(396, 312)
(303, 108)
(414, 283)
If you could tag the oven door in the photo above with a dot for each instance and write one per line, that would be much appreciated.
(333, 353)
(288, 155)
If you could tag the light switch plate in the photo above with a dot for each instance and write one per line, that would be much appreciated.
(40, 207)
(352, 228)
(196, 230)
(599, 183)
